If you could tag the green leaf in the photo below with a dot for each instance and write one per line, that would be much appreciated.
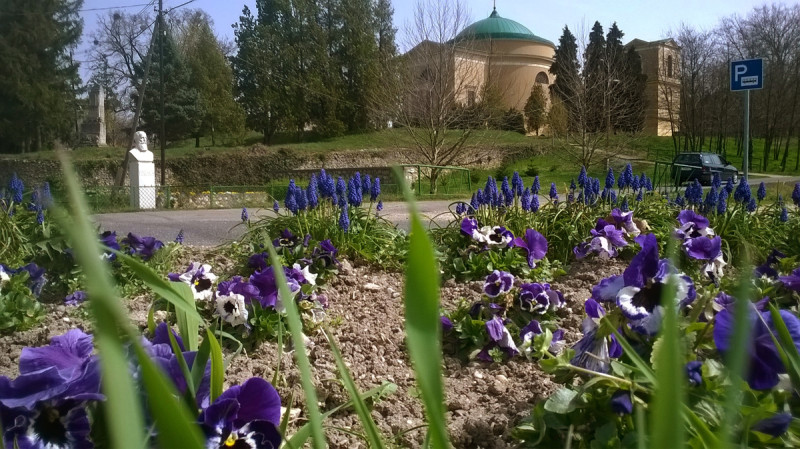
(373, 435)
(151, 321)
(304, 366)
(200, 361)
(175, 424)
(562, 401)
(423, 326)
(217, 365)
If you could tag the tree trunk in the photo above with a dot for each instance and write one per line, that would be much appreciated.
(786, 149)
(434, 178)
(197, 140)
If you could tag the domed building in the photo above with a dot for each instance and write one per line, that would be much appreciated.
(508, 54)
(502, 57)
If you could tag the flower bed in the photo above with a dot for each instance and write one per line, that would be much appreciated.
(559, 317)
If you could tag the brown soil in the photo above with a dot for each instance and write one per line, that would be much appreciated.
(484, 401)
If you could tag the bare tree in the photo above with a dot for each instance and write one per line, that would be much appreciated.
(591, 123)
(120, 43)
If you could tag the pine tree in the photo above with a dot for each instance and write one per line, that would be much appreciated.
(38, 76)
(566, 69)
(388, 82)
(211, 75)
(597, 81)
(183, 111)
(358, 59)
(535, 109)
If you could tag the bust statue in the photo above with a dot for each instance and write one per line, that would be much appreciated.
(140, 151)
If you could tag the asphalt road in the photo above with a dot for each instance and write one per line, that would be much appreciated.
(211, 227)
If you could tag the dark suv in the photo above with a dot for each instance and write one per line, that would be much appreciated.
(702, 166)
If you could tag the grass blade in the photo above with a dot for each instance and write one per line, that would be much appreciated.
(200, 362)
(373, 435)
(296, 329)
(666, 421)
(423, 327)
(217, 365)
(122, 409)
(175, 423)
(187, 376)
(736, 356)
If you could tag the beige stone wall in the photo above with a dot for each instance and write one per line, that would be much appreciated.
(661, 64)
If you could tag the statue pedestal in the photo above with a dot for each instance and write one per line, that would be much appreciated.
(143, 179)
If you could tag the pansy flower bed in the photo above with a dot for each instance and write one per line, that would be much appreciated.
(562, 319)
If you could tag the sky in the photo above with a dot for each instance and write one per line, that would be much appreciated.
(642, 19)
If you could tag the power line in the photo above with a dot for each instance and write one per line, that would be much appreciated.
(115, 7)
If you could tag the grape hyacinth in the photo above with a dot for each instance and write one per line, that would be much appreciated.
(796, 194)
(716, 181)
(722, 205)
(751, 205)
(375, 191)
(275, 206)
(762, 191)
(179, 237)
(553, 192)
(311, 193)
(516, 184)
(784, 215)
(17, 187)
(610, 179)
(742, 193)
(534, 203)
(582, 177)
(535, 187)
(344, 220)
(366, 185)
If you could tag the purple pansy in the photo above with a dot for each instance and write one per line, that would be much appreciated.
(239, 286)
(536, 297)
(645, 278)
(326, 252)
(594, 352)
(694, 372)
(447, 324)
(497, 283)
(692, 225)
(624, 221)
(75, 298)
(109, 239)
(199, 277)
(54, 384)
(792, 281)
(534, 243)
(710, 249)
(267, 286)
(605, 242)
(621, 402)
(776, 425)
(144, 247)
(499, 337)
(765, 362)
(767, 269)
(528, 333)
(244, 416)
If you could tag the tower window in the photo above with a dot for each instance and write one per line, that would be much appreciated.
(669, 66)
(541, 78)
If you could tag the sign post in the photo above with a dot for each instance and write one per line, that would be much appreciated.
(747, 75)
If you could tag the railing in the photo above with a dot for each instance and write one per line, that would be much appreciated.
(453, 181)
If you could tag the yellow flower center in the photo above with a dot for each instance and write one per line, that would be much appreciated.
(231, 440)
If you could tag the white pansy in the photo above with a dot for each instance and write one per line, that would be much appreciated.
(310, 277)
(232, 309)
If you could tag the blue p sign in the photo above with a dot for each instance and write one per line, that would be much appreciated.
(747, 74)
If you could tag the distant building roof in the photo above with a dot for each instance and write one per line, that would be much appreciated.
(496, 27)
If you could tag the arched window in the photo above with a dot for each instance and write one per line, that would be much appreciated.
(541, 78)
(669, 66)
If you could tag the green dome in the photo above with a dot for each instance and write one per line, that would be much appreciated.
(496, 27)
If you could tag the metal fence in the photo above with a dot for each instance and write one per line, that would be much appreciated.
(451, 181)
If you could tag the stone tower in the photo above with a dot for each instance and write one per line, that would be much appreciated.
(661, 64)
(93, 129)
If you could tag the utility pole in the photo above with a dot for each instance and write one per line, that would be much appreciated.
(163, 137)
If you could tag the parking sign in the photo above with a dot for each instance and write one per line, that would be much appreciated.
(747, 74)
